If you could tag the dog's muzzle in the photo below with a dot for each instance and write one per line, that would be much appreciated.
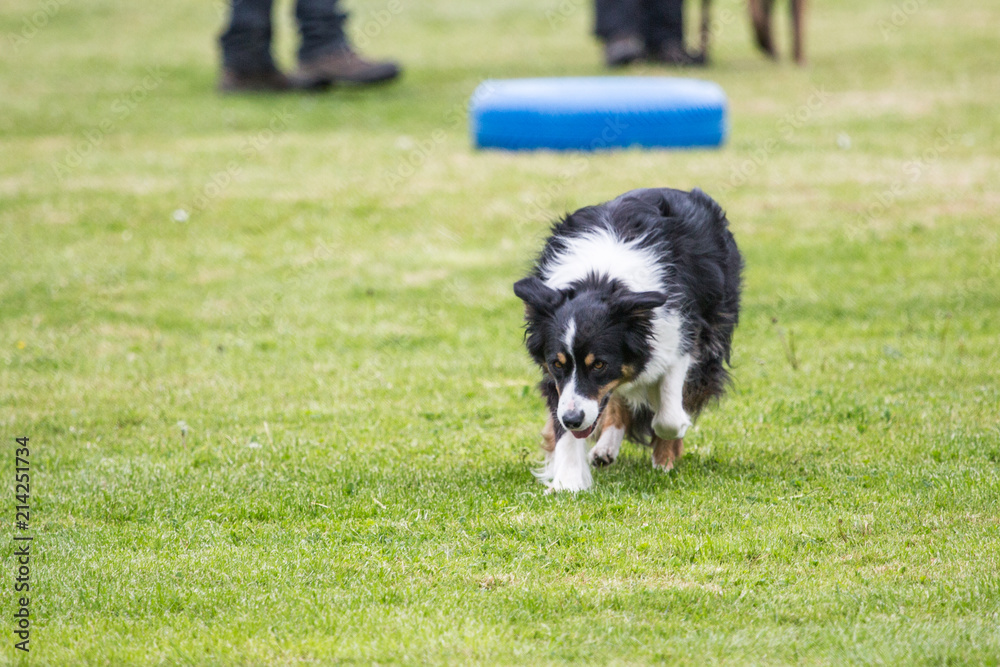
(574, 418)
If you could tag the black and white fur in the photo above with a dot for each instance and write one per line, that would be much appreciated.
(631, 304)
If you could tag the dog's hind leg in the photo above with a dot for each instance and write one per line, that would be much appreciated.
(670, 421)
(614, 424)
(549, 437)
(666, 452)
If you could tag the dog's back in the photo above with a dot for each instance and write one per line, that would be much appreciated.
(703, 267)
(707, 267)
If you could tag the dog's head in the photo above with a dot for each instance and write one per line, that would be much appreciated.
(589, 339)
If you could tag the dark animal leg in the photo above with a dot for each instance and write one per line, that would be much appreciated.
(760, 16)
(706, 24)
(798, 27)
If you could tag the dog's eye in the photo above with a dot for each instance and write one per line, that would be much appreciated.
(558, 364)
(599, 365)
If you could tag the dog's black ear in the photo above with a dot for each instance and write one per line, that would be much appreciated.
(537, 295)
(637, 303)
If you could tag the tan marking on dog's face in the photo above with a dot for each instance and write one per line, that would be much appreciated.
(589, 361)
(552, 375)
(562, 358)
(628, 373)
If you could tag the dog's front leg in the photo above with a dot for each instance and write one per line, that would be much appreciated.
(670, 421)
(608, 445)
(614, 423)
(568, 469)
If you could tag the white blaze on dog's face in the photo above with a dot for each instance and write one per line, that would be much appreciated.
(577, 413)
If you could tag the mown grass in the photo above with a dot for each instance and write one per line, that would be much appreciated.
(298, 427)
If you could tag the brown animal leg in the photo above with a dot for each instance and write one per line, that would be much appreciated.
(665, 452)
(760, 16)
(798, 28)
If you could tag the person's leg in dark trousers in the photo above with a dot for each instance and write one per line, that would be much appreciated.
(616, 18)
(246, 49)
(664, 33)
(620, 25)
(325, 56)
(246, 43)
(321, 25)
(664, 23)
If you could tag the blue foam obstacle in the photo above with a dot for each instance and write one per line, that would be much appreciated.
(597, 113)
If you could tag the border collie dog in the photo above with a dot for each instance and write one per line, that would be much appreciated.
(630, 312)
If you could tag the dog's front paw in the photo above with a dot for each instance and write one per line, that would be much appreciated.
(605, 452)
(571, 479)
(602, 455)
(567, 469)
(601, 459)
(671, 425)
(571, 485)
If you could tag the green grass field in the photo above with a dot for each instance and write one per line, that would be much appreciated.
(298, 426)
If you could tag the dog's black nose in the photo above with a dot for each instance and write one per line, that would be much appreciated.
(572, 419)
